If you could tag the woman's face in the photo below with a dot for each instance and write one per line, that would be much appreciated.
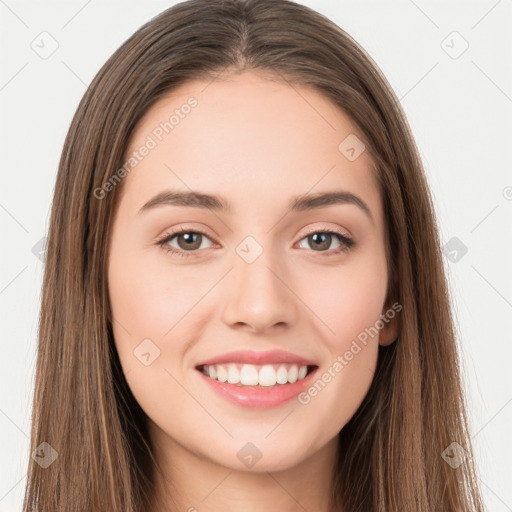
(250, 273)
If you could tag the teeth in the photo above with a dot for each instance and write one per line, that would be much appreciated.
(233, 374)
(267, 376)
(222, 374)
(249, 375)
(282, 375)
(253, 375)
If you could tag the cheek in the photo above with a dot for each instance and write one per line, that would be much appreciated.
(347, 300)
(138, 310)
(149, 298)
(351, 346)
(146, 305)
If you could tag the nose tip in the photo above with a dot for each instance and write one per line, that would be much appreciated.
(258, 298)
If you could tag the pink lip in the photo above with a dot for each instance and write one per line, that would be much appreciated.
(259, 398)
(252, 357)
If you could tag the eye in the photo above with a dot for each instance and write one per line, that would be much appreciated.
(187, 240)
(190, 241)
(320, 240)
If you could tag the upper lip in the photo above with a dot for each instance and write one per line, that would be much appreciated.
(253, 357)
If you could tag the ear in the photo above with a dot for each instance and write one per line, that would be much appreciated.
(392, 322)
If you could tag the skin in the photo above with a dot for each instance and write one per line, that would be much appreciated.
(258, 142)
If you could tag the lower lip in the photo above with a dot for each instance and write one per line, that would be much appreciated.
(259, 398)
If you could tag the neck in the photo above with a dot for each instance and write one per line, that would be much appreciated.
(191, 483)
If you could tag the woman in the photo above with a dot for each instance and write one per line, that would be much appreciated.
(263, 368)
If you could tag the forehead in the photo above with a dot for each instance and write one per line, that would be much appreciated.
(248, 134)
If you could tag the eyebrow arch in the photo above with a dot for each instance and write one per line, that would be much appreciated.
(300, 203)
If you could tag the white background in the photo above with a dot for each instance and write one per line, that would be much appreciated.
(459, 110)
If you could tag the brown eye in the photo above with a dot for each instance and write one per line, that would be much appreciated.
(320, 241)
(189, 240)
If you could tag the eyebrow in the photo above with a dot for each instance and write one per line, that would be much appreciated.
(300, 203)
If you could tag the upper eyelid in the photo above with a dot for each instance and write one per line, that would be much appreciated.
(182, 230)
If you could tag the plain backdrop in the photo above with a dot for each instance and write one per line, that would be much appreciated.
(449, 63)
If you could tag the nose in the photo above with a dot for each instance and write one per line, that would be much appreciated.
(259, 296)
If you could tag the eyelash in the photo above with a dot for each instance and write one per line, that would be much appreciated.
(346, 242)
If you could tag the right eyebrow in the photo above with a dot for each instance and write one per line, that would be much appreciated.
(187, 198)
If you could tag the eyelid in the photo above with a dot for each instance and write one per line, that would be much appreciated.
(183, 228)
(325, 228)
(346, 240)
(170, 234)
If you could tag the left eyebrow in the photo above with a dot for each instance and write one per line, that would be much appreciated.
(300, 203)
(322, 200)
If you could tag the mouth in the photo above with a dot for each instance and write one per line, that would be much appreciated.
(266, 376)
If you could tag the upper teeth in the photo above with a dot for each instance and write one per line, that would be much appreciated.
(252, 375)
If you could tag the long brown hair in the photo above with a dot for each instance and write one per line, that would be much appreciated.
(391, 451)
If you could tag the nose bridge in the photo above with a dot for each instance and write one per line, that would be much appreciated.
(257, 294)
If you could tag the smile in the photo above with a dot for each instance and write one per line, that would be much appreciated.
(266, 375)
(257, 396)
